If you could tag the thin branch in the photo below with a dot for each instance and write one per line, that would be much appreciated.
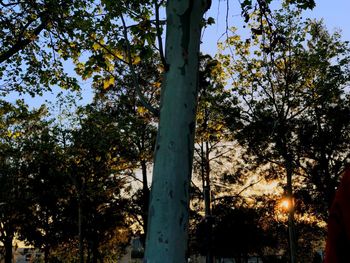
(248, 186)
(159, 36)
(133, 73)
(239, 193)
(52, 47)
(10, 4)
(21, 44)
(220, 155)
(196, 187)
(132, 176)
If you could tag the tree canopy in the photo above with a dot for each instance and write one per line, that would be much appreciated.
(269, 108)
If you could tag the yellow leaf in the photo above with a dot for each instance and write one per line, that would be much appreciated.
(157, 84)
(108, 82)
(16, 135)
(110, 66)
(141, 110)
(136, 60)
(96, 46)
(117, 53)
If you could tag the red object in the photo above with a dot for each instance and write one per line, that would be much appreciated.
(338, 238)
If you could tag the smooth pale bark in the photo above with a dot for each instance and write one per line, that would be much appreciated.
(169, 201)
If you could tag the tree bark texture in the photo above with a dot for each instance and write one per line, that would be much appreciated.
(282, 144)
(146, 194)
(169, 201)
(81, 240)
(8, 249)
(291, 221)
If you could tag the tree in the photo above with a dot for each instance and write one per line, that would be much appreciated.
(213, 145)
(15, 127)
(76, 188)
(278, 89)
(136, 125)
(98, 173)
(31, 36)
(39, 38)
(46, 185)
(323, 131)
(237, 232)
(168, 216)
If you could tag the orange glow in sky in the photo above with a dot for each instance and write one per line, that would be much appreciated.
(285, 204)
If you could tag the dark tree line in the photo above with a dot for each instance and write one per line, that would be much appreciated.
(286, 117)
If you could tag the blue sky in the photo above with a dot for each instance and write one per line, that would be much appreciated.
(334, 12)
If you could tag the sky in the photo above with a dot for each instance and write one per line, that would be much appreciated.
(334, 12)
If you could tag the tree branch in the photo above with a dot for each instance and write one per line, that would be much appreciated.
(10, 4)
(133, 73)
(21, 44)
(159, 35)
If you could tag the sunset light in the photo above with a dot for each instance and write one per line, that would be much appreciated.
(174, 131)
(285, 204)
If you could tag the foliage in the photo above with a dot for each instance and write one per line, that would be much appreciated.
(30, 32)
(96, 169)
(256, 226)
(39, 39)
(137, 128)
(236, 232)
(287, 91)
(17, 124)
(289, 81)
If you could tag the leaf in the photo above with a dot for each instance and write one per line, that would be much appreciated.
(141, 110)
(108, 82)
(96, 46)
(156, 84)
(211, 21)
(136, 60)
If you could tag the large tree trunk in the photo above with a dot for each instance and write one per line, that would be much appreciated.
(291, 210)
(95, 252)
(80, 234)
(46, 253)
(205, 170)
(8, 249)
(282, 146)
(169, 202)
(145, 193)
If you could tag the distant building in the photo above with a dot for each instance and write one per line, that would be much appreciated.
(23, 255)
